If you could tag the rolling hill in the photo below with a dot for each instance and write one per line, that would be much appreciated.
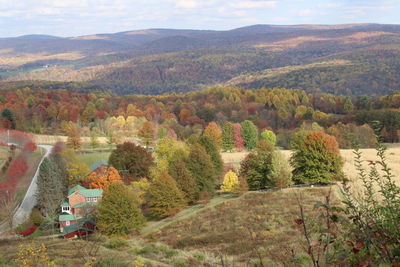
(341, 59)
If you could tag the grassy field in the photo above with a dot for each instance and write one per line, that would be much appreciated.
(393, 159)
(110, 252)
(25, 181)
(255, 223)
(90, 158)
(3, 158)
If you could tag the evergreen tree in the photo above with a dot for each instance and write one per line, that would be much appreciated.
(228, 141)
(51, 187)
(250, 134)
(212, 150)
(317, 160)
(118, 212)
(183, 177)
(164, 197)
(7, 119)
(202, 168)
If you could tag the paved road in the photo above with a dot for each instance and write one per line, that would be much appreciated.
(29, 201)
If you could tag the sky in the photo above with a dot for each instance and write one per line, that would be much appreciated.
(84, 17)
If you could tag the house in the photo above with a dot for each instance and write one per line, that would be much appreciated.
(81, 228)
(79, 203)
(97, 164)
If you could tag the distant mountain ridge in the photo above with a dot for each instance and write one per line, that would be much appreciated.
(156, 61)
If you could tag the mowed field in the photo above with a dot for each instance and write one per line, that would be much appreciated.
(392, 155)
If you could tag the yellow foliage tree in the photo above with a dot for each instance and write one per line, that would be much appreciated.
(76, 170)
(231, 181)
(103, 176)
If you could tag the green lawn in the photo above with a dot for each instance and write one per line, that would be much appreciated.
(90, 158)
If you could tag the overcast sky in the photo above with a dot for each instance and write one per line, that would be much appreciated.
(81, 17)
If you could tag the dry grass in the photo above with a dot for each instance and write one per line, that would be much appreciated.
(393, 159)
(257, 220)
(3, 157)
(111, 252)
(17, 60)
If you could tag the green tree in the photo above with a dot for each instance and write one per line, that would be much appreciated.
(118, 212)
(257, 167)
(269, 137)
(228, 142)
(202, 168)
(281, 175)
(164, 197)
(184, 179)
(51, 187)
(131, 160)
(212, 150)
(250, 134)
(7, 119)
(317, 160)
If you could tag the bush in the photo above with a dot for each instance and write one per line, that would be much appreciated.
(36, 218)
(116, 243)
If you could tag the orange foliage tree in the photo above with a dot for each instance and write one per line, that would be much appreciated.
(103, 176)
(214, 132)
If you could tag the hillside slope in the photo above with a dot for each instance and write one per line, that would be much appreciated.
(158, 61)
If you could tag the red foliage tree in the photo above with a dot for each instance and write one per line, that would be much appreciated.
(237, 135)
(30, 147)
(17, 169)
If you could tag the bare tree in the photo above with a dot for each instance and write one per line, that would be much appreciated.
(7, 208)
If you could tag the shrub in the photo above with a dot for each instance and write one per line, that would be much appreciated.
(317, 160)
(116, 243)
(36, 218)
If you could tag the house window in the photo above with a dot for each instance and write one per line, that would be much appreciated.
(66, 209)
(67, 223)
(91, 199)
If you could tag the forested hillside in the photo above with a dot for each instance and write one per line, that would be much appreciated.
(338, 59)
(184, 115)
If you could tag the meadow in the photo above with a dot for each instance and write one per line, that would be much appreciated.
(392, 155)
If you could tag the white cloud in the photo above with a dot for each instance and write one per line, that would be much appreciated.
(187, 4)
(305, 12)
(253, 4)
